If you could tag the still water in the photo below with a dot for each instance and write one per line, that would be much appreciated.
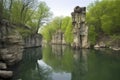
(64, 63)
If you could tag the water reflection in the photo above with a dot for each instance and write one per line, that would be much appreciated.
(48, 72)
(27, 69)
(66, 63)
(63, 63)
(80, 65)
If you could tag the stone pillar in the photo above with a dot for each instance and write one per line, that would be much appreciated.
(80, 30)
(58, 37)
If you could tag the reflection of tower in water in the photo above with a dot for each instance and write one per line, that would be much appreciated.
(28, 65)
(80, 65)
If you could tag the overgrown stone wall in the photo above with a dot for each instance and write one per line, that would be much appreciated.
(80, 30)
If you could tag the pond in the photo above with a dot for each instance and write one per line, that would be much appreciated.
(63, 63)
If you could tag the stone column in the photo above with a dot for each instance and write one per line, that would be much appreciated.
(79, 27)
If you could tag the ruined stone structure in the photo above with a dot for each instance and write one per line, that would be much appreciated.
(80, 30)
(58, 37)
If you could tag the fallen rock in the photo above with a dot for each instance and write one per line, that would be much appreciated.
(6, 74)
(102, 45)
(19, 79)
(113, 48)
(3, 65)
(116, 49)
(96, 46)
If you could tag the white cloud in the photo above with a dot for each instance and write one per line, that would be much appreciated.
(65, 7)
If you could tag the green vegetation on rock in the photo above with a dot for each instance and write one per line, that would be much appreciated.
(103, 19)
(58, 23)
(27, 15)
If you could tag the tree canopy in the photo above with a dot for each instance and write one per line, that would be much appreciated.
(103, 18)
(30, 13)
(63, 23)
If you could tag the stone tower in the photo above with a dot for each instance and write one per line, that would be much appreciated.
(80, 30)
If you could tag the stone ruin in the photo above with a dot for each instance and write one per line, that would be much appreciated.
(80, 30)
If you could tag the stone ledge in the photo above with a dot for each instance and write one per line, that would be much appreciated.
(6, 74)
(3, 65)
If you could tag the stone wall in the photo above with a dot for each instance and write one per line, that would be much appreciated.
(80, 30)
(11, 48)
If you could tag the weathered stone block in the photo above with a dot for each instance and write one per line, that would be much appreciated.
(3, 65)
(6, 74)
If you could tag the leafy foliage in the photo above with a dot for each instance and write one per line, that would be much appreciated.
(25, 12)
(104, 17)
(115, 40)
(63, 23)
(49, 29)
(68, 32)
(92, 35)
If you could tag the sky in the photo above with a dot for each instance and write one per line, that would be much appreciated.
(65, 7)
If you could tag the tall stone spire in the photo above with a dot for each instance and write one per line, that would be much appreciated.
(80, 30)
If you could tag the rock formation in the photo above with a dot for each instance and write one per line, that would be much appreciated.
(11, 47)
(33, 40)
(58, 37)
(80, 30)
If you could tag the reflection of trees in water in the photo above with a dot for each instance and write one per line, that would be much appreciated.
(102, 64)
(67, 60)
(27, 69)
(58, 49)
(31, 55)
(58, 57)
(80, 65)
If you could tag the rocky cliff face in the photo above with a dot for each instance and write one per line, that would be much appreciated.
(58, 37)
(106, 41)
(11, 48)
(80, 30)
(33, 40)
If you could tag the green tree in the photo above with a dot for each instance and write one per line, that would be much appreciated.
(40, 16)
(68, 32)
(63, 23)
(48, 30)
(92, 35)
(104, 17)
(25, 12)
